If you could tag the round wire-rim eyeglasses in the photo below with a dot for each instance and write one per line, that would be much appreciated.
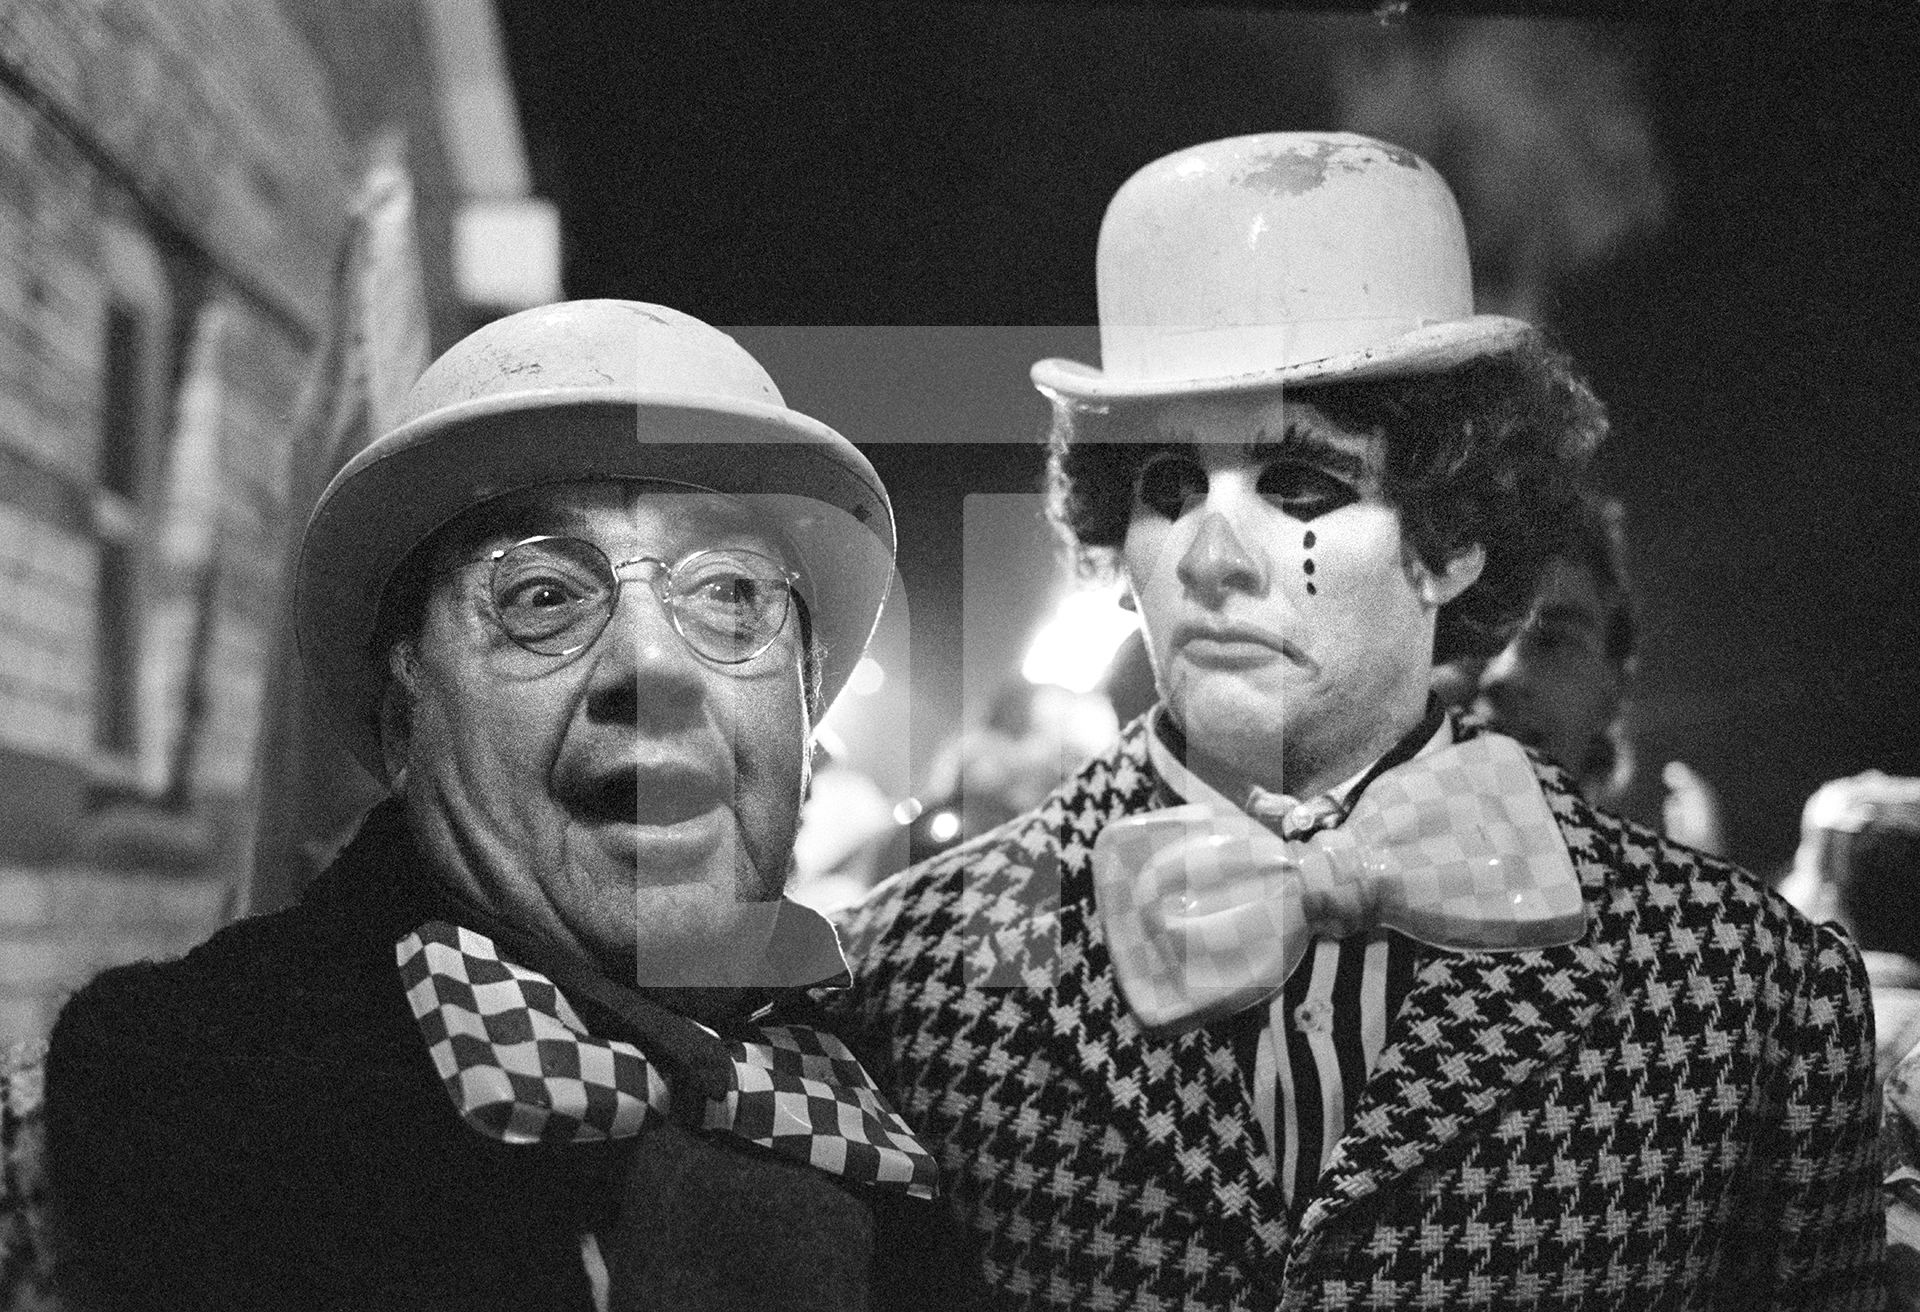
(553, 595)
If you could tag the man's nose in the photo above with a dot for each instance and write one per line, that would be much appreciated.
(1218, 559)
(641, 665)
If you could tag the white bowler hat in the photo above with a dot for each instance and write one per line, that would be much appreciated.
(1285, 257)
(573, 391)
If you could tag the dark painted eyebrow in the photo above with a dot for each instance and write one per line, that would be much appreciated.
(1298, 443)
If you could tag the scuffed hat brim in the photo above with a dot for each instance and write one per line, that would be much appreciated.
(1431, 349)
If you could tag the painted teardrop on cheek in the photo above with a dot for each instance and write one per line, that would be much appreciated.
(1307, 565)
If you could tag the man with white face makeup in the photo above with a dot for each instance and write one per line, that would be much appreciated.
(1306, 995)
(530, 1041)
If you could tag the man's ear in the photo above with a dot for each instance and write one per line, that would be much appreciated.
(1460, 572)
(396, 712)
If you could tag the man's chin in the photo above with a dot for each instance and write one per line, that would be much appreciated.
(701, 937)
(1232, 724)
(1527, 735)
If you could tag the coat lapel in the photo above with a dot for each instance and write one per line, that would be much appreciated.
(1474, 1027)
(1176, 1109)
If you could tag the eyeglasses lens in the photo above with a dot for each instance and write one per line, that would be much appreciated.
(730, 604)
(553, 596)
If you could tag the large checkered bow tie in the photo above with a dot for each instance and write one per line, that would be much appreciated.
(1207, 912)
(521, 1066)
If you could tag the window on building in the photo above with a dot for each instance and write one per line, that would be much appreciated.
(134, 327)
(121, 408)
(114, 648)
(122, 448)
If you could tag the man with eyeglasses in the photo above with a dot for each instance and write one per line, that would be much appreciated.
(531, 1041)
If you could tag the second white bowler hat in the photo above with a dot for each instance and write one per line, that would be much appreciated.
(1284, 257)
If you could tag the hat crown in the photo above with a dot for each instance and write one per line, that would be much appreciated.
(609, 347)
(1265, 252)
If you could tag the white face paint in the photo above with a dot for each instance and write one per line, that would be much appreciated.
(1289, 623)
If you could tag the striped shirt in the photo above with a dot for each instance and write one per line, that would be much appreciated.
(1322, 1034)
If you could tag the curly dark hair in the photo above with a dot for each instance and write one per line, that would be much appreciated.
(1487, 452)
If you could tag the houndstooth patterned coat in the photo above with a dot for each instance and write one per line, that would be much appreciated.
(1678, 1111)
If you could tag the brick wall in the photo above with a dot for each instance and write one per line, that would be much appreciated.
(216, 110)
(46, 600)
(182, 157)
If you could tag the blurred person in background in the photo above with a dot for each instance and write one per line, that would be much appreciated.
(1900, 1139)
(1307, 994)
(1858, 864)
(526, 1044)
(847, 836)
(1562, 685)
(1035, 735)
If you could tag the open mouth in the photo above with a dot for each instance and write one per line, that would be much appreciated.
(655, 797)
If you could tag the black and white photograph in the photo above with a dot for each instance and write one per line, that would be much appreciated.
(959, 654)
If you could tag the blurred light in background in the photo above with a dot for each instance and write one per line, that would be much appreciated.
(867, 678)
(944, 827)
(506, 241)
(506, 253)
(829, 740)
(1077, 642)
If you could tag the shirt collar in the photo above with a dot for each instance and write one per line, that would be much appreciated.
(1291, 816)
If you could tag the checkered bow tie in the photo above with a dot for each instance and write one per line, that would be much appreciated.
(520, 1065)
(1207, 912)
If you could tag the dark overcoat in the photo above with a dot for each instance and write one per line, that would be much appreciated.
(259, 1126)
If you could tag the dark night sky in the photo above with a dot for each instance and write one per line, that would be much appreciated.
(856, 163)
